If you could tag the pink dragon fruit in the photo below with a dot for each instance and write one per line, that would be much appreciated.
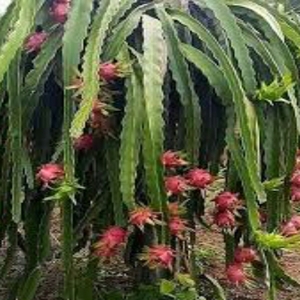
(159, 256)
(226, 201)
(175, 185)
(50, 174)
(295, 180)
(296, 221)
(224, 219)
(244, 255)
(177, 226)
(59, 11)
(172, 159)
(84, 142)
(142, 216)
(289, 229)
(199, 178)
(109, 242)
(109, 71)
(236, 275)
(295, 193)
(35, 41)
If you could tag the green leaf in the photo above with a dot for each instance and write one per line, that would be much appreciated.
(28, 289)
(244, 110)
(36, 78)
(167, 287)
(184, 86)
(219, 292)
(123, 30)
(122, 13)
(17, 36)
(154, 67)
(112, 149)
(16, 138)
(237, 156)
(277, 46)
(259, 46)
(131, 138)
(185, 280)
(91, 84)
(237, 41)
(76, 30)
(262, 11)
(8, 20)
(11, 250)
(210, 69)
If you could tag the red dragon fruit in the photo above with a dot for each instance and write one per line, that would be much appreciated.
(50, 174)
(59, 11)
(142, 216)
(244, 255)
(109, 71)
(296, 221)
(104, 252)
(295, 193)
(224, 219)
(236, 275)
(110, 241)
(199, 178)
(35, 41)
(114, 236)
(159, 256)
(177, 226)
(226, 201)
(289, 229)
(263, 216)
(175, 185)
(295, 180)
(172, 159)
(84, 142)
(175, 209)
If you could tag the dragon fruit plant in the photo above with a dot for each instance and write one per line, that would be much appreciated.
(123, 116)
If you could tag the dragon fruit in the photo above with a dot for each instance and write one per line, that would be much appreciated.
(224, 219)
(177, 227)
(226, 201)
(109, 71)
(59, 11)
(244, 255)
(236, 275)
(175, 185)
(295, 180)
(289, 229)
(142, 216)
(296, 221)
(295, 193)
(50, 174)
(172, 159)
(110, 241)
(84, 142)
(199, 178)
(159, 256)
(35, 41)
(175, 209)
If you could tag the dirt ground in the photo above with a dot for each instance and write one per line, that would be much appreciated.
(215, 267)
(117, 274)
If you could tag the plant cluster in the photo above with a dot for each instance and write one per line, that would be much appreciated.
(94, 94)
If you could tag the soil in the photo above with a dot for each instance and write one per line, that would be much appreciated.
(291, 262)
(117, 276)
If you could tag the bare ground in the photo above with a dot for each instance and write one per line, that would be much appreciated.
(117, 275)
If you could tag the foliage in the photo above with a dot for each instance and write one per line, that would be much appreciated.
(130, 112)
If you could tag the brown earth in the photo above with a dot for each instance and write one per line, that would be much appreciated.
(117, 276)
